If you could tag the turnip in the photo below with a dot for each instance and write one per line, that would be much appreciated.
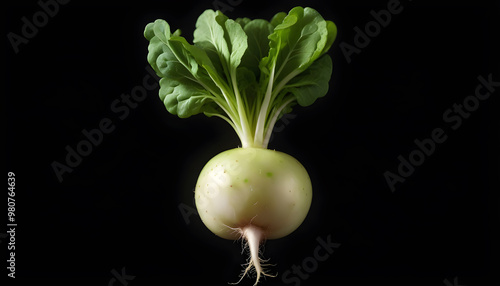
(253, 193)
(249, 73)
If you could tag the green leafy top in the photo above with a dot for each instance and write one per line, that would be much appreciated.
(247, 72)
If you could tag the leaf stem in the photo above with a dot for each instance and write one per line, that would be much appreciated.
(264, 111)
(245, 129)
(276, 114)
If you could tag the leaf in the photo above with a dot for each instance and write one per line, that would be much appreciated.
(278, 19)
(209, 36)
(332, 35)
(186, 85)
(210, 32)
(243, 21)
(312, 83)
(247, 72)
(156, 46)
(184, 100)
(257, 32)
(295, 43)
(225, 43)
(197, 63)
(248, 87)
(237, 43)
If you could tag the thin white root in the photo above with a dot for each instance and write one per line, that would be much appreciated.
(253, 236)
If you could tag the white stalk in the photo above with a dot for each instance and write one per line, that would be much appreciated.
(276, 114)
(230, 119)
(283, 82)
(246, 134)
(261, 122)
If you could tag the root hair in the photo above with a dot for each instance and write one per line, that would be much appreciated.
(252, 237)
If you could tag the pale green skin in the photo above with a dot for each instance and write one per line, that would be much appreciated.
(257, 186)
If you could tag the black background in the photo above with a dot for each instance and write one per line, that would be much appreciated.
(119, 208)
